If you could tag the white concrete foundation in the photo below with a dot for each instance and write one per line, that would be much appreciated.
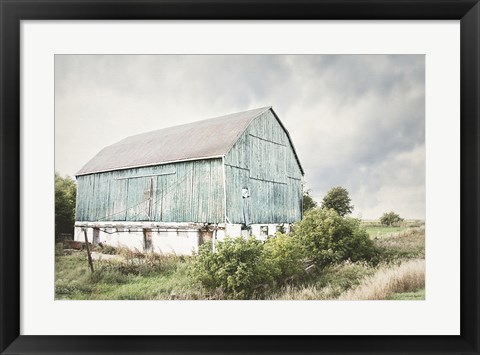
(179, 243)
(260, 231)
(161, 241)
(179, 239)
(233, 230)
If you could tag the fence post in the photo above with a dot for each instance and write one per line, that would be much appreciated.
(90, 262)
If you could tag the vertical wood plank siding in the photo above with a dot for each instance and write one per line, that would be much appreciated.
(263, 160)
(193, 193)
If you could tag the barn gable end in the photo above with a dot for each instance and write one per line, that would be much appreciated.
(264, 160)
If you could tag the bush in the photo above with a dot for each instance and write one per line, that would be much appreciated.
(284, 255)
(390, 219)
(327, 238)
(237, 267)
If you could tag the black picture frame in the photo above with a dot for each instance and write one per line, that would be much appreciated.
(13, 11)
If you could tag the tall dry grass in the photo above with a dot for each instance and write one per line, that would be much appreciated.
(327, 284)
(408, 276)
(308, 292)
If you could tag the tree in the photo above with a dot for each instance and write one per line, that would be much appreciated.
(390, 219)
(308, 201)
(65, 195)
(339, 200)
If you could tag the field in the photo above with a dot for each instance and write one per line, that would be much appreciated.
(397, 274)
(134, 278)
(375, 229)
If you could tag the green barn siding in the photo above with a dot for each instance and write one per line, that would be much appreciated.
(264, 161)
(236, 178)
(292, 165)
(194, 193)
(268, 202)
(267, 160)
(239, 155)
(267, 127)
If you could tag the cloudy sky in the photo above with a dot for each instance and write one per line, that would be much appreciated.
(357, 121)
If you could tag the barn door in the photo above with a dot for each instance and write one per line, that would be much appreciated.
(140, 199)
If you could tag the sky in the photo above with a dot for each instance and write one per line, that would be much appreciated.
(356, 121)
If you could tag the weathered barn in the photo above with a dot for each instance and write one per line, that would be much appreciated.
(171, 189)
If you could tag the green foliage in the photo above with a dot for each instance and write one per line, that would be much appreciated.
(390, 219)
(327, 238)
(284, 255)
(337, 198)
(65, 195)
(237, 267)
(308, 201)
(107, 249)
(415, 295)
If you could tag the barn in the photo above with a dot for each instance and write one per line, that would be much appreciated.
(171, 190)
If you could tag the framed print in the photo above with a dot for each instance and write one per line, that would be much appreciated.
(239, 177)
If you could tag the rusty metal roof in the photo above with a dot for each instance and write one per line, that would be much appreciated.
(202, 139)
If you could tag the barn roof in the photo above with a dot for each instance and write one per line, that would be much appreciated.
(209, 138)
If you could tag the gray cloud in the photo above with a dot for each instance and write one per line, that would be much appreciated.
(356, 120)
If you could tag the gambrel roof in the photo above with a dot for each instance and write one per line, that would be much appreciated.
(211, 138)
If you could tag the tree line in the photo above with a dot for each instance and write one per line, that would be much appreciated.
(338, 199)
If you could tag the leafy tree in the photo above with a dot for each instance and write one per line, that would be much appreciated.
(327, 238)
(65, 195)
(339, 200)
(390, 219)
(308, 201)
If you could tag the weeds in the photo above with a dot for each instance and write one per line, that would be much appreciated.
(407, 277)
(405, 245)
(326, 284)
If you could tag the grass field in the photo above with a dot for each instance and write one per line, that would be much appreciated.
(375, 229)
(380, 231)
(398, 274)
(416, 295)
(128, 279)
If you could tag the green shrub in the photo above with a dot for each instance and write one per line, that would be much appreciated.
(284, 255)
(107, 249)
(326, 238)
(237, 267)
